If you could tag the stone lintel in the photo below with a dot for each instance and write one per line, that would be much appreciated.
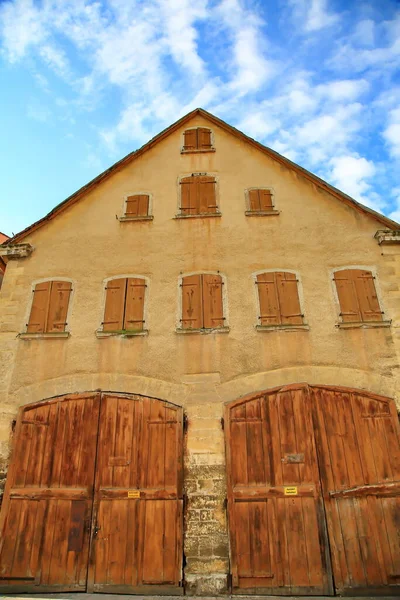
(387, 236)
(16, 251)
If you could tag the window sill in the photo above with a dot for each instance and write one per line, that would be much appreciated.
(143, 218)
(282, 327)
(197, 150)
(123, 333)
(262, 213)
(202, 331)
(36, 336)
(201, 216)
(364, 324)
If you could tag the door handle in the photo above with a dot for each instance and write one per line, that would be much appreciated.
(96, 530)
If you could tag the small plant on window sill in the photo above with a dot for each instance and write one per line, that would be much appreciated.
(198, 216)
(121, 332)
(203, 330)
(262, 213)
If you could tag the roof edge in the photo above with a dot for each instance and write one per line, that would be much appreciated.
(320, 183)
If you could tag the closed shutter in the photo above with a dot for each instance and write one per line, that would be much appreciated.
(203, 138)
(206, 194)
(260, 200)
(115, 304)
(367, 297)
(58, 308)
(190, 139)
(347, 294)
(192, 302)
(38, 317)
(286, 284)
(189, 196)
(137, 205)
(134, 304)
(268, 297)
(213, 314)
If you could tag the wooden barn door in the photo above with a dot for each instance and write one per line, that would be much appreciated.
(277, 526)
(358, 441)
(137, 527)
(108, 468)
(46, 513)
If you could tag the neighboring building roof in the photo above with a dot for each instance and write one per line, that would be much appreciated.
(3, 237)
(232, 130)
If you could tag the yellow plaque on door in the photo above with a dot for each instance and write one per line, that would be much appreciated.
(291, 491)
(133, 493)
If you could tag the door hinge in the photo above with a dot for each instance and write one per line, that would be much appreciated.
(185, 422)
(222, 423)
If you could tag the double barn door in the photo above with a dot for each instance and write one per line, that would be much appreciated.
(314, 492)
(94, 497)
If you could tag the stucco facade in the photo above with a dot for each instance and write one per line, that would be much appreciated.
(313, 234)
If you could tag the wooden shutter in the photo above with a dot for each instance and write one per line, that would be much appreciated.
(288, 296)
(189, 196)
(260, 200)
(115, 304)
(347, 294)
(190, 139)
(38, 317)
(206, 194)
(367, 297)
(268, 297)
(213, 314)
(58, 307)
(137, 205)
(203, 138)
(134, 304)
(192, 309)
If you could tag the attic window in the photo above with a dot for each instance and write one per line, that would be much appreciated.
(198, 139)
(137, 208)
(260, 201)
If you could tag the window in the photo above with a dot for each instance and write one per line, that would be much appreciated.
(197, 139)
(124, 308)
(278, 299)
(198, 196)
(202, 302)
(49, 307)
(260, 201)
(137, 207)
(357, 296)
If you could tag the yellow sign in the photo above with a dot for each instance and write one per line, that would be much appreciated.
(133, 493)
(291, 491)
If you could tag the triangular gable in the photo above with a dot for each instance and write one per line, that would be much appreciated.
(317, 181)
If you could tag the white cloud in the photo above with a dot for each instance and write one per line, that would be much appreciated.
(392, 132)
(351, 174)
(21, 26)
(312, 15)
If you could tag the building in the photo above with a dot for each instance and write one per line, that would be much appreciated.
(3, 238)
(201, 352)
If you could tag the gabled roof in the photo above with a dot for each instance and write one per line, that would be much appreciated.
(320, 183)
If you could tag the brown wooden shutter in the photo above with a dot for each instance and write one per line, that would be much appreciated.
(203, 138)
(206, 194)
(192, 309)
(134, 304)
(265, 199)
(189, 196)
(367, 296)
(288, 295)
(115, 305)
(254, 200)
(58, 307)
(347, 294)
(137, 205)
(190, 139)
(38, 317)
(213, 314)
(268, 297)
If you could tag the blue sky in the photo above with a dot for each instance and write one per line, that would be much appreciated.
(85, 82)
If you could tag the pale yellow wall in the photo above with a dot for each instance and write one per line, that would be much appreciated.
(313, 234)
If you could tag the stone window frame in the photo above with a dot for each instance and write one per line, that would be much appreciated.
(126, 218)
(260, 213)
(59, 334)
(217, 214)
(197, 150)
(300, 327)
(105, 334)
(225, 306)
(359, 324)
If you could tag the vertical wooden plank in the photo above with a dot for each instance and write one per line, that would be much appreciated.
(115, 305)
(367, 296)
(132, 206)
(347, 294)
(213, 313)
(206, 189)
(190, 139)
(254, 200)
(268, 299)
(58, 308)
(286, 284)
(134, 305)
(265, 200)
(192, 307)
(259, 539)
(256, 459)
(143, 209)
(170, 541)
(38, 317)
(204, 138)
(153, 546)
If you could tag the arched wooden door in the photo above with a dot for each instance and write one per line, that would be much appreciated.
(94, 497)
(314, 481)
